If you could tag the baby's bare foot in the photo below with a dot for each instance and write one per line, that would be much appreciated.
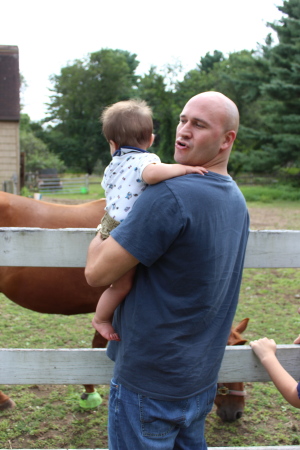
(114, 337)
(106, 330)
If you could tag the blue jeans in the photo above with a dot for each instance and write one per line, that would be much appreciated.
(137, 422)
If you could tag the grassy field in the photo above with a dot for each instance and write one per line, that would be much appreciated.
(50, 416)
(258, 194)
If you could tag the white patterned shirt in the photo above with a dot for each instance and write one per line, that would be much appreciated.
(123, 181)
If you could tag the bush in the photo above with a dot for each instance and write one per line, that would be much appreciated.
(290, 175)
(37, 154)
(269, 194)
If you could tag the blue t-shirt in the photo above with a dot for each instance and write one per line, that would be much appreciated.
(189, 234)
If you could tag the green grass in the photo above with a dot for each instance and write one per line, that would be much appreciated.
(257, 194)
(95, 192)
(270, 194)
(269, 297)
(50, 416)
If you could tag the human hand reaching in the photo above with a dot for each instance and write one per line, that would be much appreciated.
(263, 348)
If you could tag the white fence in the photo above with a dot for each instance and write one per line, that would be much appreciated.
(55, 184)
(38, 247)
(74, 185)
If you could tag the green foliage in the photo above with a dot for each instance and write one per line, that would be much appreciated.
(37, 154)
(269, 194)
(152, 89)
(80, 92)
(25, 192)
(281, 107)
(207, 62)
(290, 175)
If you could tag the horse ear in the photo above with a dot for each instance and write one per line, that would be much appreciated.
(242, 326)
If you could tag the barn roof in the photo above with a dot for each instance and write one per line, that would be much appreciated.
(9, 83)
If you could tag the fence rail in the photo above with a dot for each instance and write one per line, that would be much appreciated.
(40, 247)
(57, 184)
(79, 185)
(92, 366)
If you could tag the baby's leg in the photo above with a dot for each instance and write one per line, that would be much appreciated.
(108, 302)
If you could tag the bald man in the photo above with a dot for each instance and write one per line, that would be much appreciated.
(187, 236)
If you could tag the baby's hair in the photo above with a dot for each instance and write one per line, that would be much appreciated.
(128, 123)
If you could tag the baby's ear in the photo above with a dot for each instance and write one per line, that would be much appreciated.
(152, 139)
(113, 146)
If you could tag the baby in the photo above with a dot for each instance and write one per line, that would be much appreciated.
(128, 128)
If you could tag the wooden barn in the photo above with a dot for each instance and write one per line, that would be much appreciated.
(9, 119)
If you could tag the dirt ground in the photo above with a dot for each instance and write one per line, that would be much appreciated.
(274, 218)
(266, 217)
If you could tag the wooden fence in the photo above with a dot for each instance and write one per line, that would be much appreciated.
(36, 247)
(56, 184)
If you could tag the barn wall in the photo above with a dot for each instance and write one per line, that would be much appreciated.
(9, 155)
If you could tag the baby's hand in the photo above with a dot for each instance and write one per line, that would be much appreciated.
(195, 169)
(263, 347)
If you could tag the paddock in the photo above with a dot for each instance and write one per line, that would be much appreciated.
(67, 248)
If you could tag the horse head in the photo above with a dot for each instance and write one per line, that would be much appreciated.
(230, 398)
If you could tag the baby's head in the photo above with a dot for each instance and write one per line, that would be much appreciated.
(128, 123)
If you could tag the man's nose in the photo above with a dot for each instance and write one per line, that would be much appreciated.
(185, 129)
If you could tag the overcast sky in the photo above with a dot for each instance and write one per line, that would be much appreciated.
(50, 34)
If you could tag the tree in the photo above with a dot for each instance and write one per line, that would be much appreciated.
(152, 88)
(207, 62)
(37, 154)
(80, 93)
(238, 76)
(282, 92)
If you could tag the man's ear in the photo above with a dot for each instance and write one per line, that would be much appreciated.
(228, 141)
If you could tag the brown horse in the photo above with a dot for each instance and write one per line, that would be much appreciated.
(230, 398)
(62, 290)
(49, 290)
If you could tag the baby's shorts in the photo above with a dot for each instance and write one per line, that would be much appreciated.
(107, 225)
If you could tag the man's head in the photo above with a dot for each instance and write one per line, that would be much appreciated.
(128, 123)
(206, 131)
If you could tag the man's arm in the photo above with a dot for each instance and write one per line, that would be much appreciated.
(157, 172)
(107, 261)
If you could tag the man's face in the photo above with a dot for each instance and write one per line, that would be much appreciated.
(200, 132)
